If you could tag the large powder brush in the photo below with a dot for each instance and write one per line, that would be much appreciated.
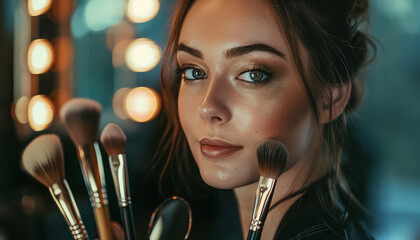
(81, 117)
(43, 159)
(114, 140)
(272, 159)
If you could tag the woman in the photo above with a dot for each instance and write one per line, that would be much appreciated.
(238, 72)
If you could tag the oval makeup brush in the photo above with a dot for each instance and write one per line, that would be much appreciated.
(43, 159)
(272, 159)
(113, 139)
(81, 117)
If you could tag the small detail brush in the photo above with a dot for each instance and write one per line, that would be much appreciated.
(81, 118)
(272, 158)
(113, 139)
(43, 159)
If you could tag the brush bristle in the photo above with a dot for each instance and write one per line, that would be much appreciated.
(81, 116)
(272, 158)
(113, 139)
(43, 159)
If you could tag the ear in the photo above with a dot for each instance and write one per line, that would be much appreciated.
(336, 101)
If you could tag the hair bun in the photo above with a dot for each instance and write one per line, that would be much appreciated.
(359, 8)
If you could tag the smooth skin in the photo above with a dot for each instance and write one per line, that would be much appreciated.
(240, 85)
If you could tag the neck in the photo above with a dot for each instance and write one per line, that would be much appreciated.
(289, 182)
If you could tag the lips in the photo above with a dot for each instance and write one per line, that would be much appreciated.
(214, 148)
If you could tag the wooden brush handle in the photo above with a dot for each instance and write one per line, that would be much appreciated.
(91, 162)
(103, 223)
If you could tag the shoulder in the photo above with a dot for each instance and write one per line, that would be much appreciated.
(333, 231)
(308, 219)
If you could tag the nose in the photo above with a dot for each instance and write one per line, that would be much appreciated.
(214, 106)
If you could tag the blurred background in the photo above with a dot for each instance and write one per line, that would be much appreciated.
(110, 51)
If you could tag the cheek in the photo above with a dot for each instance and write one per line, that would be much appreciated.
(186, 109)
(289, 120)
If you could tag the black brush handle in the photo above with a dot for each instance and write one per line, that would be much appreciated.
(127, 219)
(253, 235)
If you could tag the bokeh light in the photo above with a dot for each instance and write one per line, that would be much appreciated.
(21, 109)
(118, 53)
(401, 12)
(28, 204)
(38, 7)
(61, 10)
(101, 14)
(59, 97)
(40, 112)
(64, 53)
(78, 24)
(140, 11)
(123, 31)
(142, 104)
(40, 56)
(118, 102)
(142, 55)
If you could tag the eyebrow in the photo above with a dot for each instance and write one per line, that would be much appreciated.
(190, 50)
(234, 52)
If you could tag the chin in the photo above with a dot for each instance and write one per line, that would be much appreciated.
(227, 180)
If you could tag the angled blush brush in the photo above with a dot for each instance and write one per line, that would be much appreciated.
(272, 158)
(81, 118)
(43, 159)
(113, 139)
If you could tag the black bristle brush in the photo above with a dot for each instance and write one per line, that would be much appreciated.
(114, 140)
(272, 159)
(43, 159)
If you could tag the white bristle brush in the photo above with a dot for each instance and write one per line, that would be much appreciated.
(113, 139)
(81, 117)
(44, 160)
(272, 159)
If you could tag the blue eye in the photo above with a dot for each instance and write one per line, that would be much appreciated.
(254, 76)
(193, 74)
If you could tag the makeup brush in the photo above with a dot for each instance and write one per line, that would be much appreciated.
(81, 116)
(113, 139)
(272, 158)
(43, 159)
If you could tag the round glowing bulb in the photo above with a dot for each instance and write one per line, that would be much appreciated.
(21, 109)
(142, 104)
(139, 11)
(142, 55)
(38, 7)
(40, 56)
(40, 112)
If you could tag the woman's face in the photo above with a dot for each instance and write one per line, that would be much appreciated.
(239, 87)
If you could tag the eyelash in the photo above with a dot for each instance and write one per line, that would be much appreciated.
(181, 70)
(259, 68)
(256, 67)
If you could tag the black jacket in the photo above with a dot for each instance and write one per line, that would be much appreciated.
(306, 219)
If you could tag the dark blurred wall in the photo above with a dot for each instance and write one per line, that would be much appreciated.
(10, 181)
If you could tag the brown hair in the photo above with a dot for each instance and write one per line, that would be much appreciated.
(327, 33)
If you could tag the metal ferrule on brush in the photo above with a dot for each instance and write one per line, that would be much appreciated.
(62, 195)
(119, 174)
(91, 161)
(262, 202)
